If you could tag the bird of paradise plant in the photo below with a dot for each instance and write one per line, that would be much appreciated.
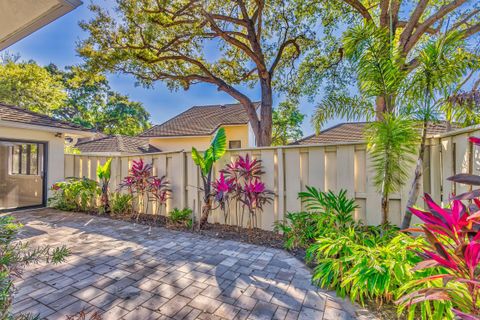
(453, 247)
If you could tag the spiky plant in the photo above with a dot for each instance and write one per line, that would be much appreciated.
(392, 144)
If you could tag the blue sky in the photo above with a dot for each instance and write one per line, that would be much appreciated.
(56, 43)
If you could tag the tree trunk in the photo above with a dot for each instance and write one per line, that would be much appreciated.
(264, 137)
(380, 108)
(206, 209)
(417, 180)
(385, 208)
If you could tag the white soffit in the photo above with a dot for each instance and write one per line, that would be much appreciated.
(19, 18)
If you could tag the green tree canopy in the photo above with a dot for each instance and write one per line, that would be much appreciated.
(28, 85)
(229, 44)
(287, 122)
(93, 104)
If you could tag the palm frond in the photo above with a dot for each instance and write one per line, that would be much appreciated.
(392, 144)
(342, 106)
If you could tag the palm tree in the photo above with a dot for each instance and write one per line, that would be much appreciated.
(441, 64)
(381, 75)
(392, 143)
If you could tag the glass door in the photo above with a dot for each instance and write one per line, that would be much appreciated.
(21, 174)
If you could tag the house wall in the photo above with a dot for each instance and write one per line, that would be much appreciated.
(239, 132)
(181, 143)
(55, 149)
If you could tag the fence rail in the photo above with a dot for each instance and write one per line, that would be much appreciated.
(288, 170)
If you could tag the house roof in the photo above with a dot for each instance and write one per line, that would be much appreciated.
(20, 18)
(116, 144)
(353, 132)
(23, 116)
(200, 121)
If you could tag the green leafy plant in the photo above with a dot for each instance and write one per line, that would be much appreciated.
(14, 257)
(183, 216)
(205, 162)
(354, 265)
(103, 174)
(338, 206)
(121, 204)
(299, 229)
(75, 194)
(325, 211)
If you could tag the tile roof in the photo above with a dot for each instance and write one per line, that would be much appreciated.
(200, 121)
(116, 143)
(353, 132)
(21, 115)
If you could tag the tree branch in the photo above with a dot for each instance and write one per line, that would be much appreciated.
(421, 29)
(357, 5)
(280, 53)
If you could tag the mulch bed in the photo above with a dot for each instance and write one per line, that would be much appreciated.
(214, 230)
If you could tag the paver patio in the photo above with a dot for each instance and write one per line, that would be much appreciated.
(127, 271)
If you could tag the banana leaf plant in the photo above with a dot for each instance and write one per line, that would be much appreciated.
(205, 162)
(104, 174)
(469, 179)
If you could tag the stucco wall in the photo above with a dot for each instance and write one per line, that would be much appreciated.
(55, 149)
(201, 143)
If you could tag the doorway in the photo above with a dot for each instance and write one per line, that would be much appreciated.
(22, 174)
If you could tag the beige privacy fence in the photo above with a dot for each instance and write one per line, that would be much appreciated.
(289, 169)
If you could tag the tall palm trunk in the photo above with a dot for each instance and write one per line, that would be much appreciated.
(417, 180)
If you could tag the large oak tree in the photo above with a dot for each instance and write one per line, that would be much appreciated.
(230, 44)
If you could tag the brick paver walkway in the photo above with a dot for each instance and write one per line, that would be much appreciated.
(127, 271)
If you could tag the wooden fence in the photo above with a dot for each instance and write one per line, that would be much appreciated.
(289, 169)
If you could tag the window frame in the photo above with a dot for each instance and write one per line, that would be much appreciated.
(235, 141)
(25, 148)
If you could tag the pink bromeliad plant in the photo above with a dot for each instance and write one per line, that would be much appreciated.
(453, 247)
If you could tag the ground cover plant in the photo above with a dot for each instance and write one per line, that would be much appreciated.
(369, 264)
(14, 257)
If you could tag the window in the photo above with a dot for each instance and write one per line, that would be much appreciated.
(234, 144)
(25, 159)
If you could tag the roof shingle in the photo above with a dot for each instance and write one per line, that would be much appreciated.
(117, 143)
(200, 121)
(24, 116)
(352, 132)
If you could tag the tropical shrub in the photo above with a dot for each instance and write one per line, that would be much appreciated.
(183, 216)
(103, 174)
(144, 188)
(362, 266)
(240, 180)
(326, 211)
(14, 257)
(452, 243)
(205, 162)
(121, 203)
(299, 229)
(137, 184)
(222, 190)
(75, 194)
(159, 189)
(338, 207)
